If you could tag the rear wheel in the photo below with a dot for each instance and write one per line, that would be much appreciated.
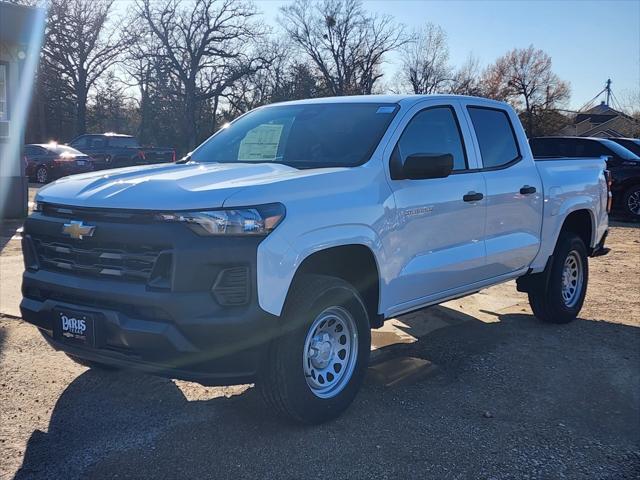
(558, 296)
(317, 364)
(42, 174)
(631, 202)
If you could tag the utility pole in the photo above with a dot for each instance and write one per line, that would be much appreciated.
(608, 90)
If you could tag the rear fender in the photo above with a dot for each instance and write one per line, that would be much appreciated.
(556, 212)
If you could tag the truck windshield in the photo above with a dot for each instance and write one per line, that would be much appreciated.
(302, 136)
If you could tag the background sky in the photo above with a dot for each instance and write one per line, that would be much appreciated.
(589, 41)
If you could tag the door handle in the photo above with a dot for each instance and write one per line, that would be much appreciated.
(527, 190)
(473, 197)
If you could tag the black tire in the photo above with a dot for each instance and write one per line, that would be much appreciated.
(91, 364)
(283, 383)
(42, 175)
(546, 292)
(631, 202)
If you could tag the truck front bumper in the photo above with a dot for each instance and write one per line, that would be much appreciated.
(179, 327)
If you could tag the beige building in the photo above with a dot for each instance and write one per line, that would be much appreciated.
(603, 121)
(21, 31)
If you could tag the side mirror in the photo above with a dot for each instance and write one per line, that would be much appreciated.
(420, 166)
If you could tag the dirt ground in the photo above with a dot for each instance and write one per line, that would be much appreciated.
(506, 397)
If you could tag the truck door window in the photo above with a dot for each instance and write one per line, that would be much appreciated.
(81, 142)
(98, 142)
(124, 142)
(433, 131)
(496, 137)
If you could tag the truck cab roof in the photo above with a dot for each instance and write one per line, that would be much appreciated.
(402, 100)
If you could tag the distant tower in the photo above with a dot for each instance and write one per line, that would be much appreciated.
(607, 89)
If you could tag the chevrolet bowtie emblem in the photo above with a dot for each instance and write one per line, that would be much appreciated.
(78, 230)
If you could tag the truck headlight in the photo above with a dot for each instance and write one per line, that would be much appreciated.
(258, 220)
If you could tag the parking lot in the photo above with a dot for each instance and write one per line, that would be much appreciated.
(475, 388)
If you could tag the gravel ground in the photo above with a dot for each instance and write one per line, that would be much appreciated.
(510, 398)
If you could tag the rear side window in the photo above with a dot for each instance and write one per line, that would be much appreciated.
(81, 142)
(97, 142)
(593, 149)
(433, 131)
(549, 147)
(497, 140)
(123, 142)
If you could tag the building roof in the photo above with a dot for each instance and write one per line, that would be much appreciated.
(603, 121)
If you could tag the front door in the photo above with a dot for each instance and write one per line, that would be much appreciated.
(438, 243)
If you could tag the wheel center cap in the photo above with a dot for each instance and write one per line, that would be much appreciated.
(321, 352)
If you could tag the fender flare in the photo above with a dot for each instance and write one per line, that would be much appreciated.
(552, 229)
(279, 261)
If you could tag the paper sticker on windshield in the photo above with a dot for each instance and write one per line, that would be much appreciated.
(385, 109)
(260, 143)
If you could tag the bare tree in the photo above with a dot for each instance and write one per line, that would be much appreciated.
(466, 79)
(145, 69)
(525, 77)
(80, 47)
(630, 102)
(425, 58)
(208, 46)
(346, 44)
(286, 79)
(262, 86)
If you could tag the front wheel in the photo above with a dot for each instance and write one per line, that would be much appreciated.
(558, 296)
(42, 174)
(317, 364)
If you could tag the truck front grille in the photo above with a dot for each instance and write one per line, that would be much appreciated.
(126, 262)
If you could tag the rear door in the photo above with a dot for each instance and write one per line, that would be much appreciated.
(96, 147)
(514, 190)
(436, 245)
(124, 151)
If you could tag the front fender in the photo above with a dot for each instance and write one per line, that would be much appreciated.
(278, 260)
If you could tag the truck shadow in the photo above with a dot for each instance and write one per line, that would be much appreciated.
(501, 388)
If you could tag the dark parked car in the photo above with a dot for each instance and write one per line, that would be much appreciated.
(623, 164)
(632, 144)
(48, 161)
(113, 150)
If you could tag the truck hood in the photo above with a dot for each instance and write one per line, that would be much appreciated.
(167, 187)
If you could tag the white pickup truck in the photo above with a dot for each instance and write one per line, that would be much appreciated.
(269, 253)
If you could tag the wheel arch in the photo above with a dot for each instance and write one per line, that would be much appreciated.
(354, 263)
(582, 223)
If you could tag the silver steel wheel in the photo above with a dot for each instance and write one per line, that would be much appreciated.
(41, 175)
(330, 352)
(633, 202)
(572, 278)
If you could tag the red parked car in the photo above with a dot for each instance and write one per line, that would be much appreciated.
(48, 161)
